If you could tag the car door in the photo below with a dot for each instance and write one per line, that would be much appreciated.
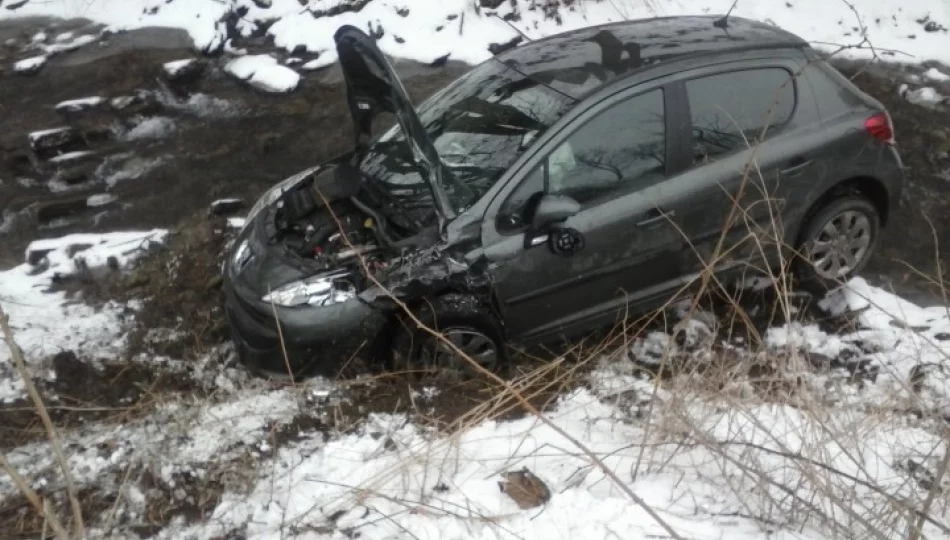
(754, 139)
(612, 161)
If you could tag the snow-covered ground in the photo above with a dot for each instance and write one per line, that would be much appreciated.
(729, 462)
(425, 30)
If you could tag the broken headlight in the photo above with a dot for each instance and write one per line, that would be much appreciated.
(324, 290)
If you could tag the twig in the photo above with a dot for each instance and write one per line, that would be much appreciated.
(20, 364)
(40, 505)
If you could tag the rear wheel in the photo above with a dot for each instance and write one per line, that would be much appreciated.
(464, 324)
(837, 243)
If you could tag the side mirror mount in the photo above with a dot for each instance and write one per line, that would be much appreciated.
(552, 209)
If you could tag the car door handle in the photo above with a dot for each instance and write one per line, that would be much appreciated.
(797, 165)
(654, 216)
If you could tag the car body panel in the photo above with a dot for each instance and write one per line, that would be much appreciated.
(372, 84)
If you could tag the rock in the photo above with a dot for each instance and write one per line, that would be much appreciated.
(51, 139)
(214, 282)
(16, 4)
(50, 210)
(80, 174)
(498, 48)
(79, 105)
(490, 4)
(100, 199)
(440, 61)
(223, 207)
(263, 4)
(185, 70)
(526, 489)
(30, 66)
(35, 257)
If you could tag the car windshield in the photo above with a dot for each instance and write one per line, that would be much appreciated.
(479, 125)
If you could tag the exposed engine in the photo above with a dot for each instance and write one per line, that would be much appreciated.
(331, 243)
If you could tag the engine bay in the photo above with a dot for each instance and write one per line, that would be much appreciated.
(328, 240)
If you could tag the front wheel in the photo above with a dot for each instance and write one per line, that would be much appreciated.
(464, 324)
(837, 243)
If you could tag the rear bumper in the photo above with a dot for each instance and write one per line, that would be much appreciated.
(311, 340)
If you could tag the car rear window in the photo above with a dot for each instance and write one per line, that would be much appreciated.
(730, 110)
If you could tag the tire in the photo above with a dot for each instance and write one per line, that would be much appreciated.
(820, 269)
(466, 321)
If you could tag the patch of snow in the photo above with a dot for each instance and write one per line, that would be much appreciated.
(926, 95)
(123, 167)
(95, 251)
(122, 102)
(264, 72)
(320, 62)
(35, 136)
(100, 199)
(74, 105)
(935, 74)
(43, 322)
(236, 222)
(463, 29)
(71, 156)
(69, 45)
(201, 105)
(173, 68)
(30, 65)
(155, 127)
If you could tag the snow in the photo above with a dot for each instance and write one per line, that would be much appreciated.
(925, 95)
(43, 322)
(71, 156)
(67, 45)
(154, 127)
(173, 68)
(427, 31)
(935, 74)
(35, 136)
(100, 199)
(73, 105)
(30, 65)
(264, 72)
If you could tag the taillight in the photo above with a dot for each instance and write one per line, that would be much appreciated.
(879, 127)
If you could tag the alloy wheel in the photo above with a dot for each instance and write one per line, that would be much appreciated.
(474, 344)
(841, 245)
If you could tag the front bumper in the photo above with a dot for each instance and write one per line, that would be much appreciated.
(311, 340)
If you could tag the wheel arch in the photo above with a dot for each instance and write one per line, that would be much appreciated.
(866, 186)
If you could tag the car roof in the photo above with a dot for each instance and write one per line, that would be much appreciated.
(580, 61)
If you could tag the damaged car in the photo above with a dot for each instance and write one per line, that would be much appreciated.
(556, 188)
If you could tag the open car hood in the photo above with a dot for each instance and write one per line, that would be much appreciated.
(372, 87)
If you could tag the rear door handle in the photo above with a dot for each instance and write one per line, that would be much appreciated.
(655, 216)
(797, 165)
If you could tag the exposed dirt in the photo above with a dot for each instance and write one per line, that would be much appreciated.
(228, 140)
(81, 394)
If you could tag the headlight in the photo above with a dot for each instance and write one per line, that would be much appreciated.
(323, 290)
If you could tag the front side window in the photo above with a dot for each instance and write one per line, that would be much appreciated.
(730, 110)
(621, 149)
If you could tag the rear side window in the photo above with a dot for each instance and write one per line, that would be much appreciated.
(729, 110)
